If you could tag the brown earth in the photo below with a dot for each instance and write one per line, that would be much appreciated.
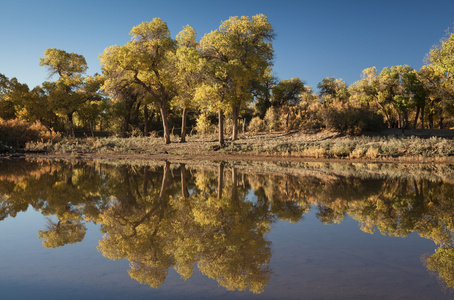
(204, 148)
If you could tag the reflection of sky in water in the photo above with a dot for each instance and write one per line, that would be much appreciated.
(310, 261)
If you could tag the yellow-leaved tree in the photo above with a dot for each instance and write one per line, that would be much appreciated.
(144, 62)
(188, 74)
(238, 54)
(66, 93)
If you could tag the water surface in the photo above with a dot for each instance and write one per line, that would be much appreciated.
(96, 230)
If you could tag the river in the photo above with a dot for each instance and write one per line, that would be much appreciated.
(159, 230)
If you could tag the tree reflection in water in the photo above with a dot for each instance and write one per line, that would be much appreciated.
(169, 215)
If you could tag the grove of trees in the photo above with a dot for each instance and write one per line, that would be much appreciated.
(156, 84)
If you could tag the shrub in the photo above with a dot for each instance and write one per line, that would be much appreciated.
(300, 117)
(17, 133)
(353, 120)
(272, 119)
(203, 123)
(291, 118)
(372, 152)
(359, 151)
(256, 125)
(341, 149)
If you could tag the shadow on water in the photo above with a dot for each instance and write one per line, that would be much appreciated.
(166, 215)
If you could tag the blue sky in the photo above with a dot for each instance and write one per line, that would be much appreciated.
(314, 39)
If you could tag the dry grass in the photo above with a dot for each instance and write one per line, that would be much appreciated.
(321, 145)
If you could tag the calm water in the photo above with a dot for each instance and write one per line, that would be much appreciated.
(169, 231)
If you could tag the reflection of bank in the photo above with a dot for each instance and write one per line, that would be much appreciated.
(170, 215)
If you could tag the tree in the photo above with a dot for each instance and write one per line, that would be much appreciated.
(332, 89)
(442, 262)
(146, 62)
(65, 93)
(126, 97)
(91, 110)
(187, 74)
(238, 53)
(10, 92)
(439, 92)
(63, 232)
(287, 92)
(210, 97)
(7, 110)
(417, 93)
(391, 90)
(261, 90)
(443, 55)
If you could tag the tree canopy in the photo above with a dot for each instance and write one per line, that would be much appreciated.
(228, 75)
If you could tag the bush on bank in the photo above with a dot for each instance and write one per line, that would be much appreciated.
(16, 134)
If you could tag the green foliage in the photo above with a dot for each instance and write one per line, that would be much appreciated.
(332, 89)
(287, 92)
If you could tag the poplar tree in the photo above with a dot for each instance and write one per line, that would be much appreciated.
(188, 75)
(238, 53)
(145, 61)
(65, 93)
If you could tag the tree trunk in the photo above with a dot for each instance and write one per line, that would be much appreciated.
(422, 117)
(70, 130)
(146, 117)
(440, 118)
(221, 127)
(183, 125)
(92, 129)
(430, 118)
(184, 188)
(145, 181)
(416, 118)
(128, 199)
(235, 114)
(405, 119)
(166, 175)
(69, 177)
(127, 120)
(286, 121)
(220, 179)
(165, 123)
(235, 198)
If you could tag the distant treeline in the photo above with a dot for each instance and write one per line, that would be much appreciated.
(155, 84)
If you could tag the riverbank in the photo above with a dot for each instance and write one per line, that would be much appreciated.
(389, 146)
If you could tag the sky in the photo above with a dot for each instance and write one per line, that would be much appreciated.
(314, 39)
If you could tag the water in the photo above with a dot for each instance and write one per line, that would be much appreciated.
(96, 230)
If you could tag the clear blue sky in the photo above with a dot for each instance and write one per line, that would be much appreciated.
(315, 39)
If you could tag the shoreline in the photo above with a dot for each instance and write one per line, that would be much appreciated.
(232, 157)
(419, 146)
